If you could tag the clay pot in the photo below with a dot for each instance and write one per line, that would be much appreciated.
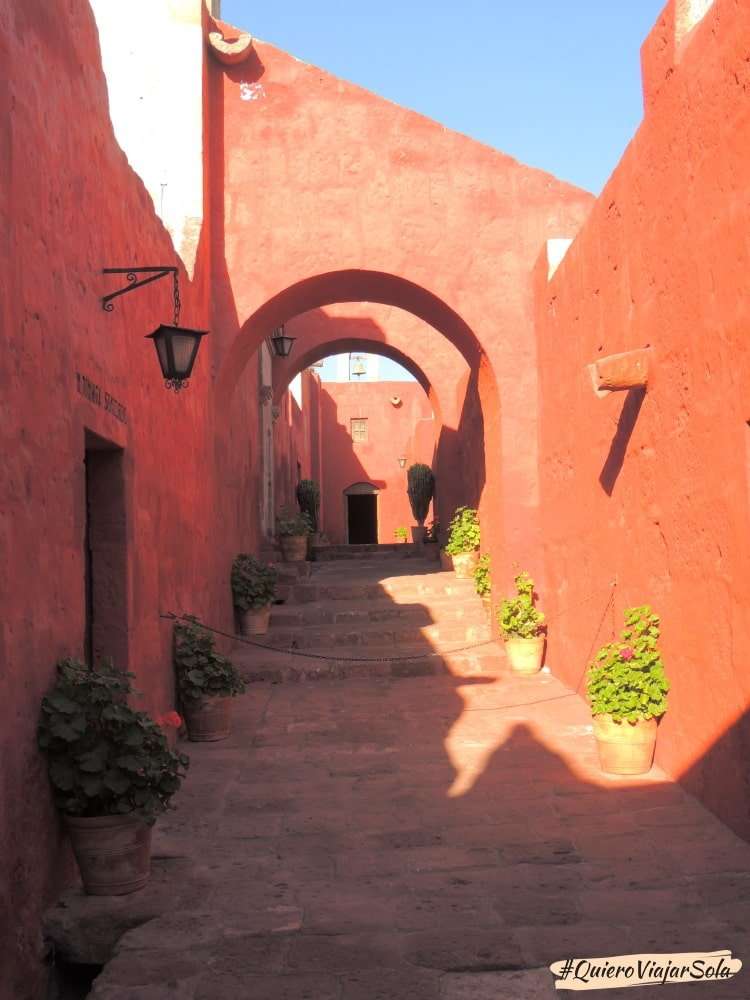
(209, 719)
(525, 655)
(255, 621)
(293, 547)
(464, 564)
(625, 747)
(446, 561)
(113, 852)
(418, 532)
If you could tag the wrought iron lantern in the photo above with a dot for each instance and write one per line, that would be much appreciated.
(402, 461)
(281, 343)
(176, 346)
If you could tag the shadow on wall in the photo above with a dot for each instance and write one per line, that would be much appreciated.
(459, 460)
(619, 446)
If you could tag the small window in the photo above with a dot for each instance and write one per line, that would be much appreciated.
(359, 429)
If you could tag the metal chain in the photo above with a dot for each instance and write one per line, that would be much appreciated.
(291, 651)
(177, 302)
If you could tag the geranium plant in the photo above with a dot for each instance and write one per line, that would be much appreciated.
(517, 616)
(627, 679)
(464, 534)
(105, 758)
(292, 524)
(253, 583)
(482, 575)
(201, 671)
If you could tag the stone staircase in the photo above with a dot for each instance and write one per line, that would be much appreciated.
(366, 611)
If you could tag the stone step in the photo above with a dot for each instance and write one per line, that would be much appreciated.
(383, 610)
(265, 665)
(382, 634)
(397, 550)
(405, 588)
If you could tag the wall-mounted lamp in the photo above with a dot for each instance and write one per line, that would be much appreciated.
(402, 461)
(176, 346)
(282, 345)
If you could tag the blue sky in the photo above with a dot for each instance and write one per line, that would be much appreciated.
(555, 84)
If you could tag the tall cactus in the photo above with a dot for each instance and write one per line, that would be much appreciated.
(308, 498)
(420, 489)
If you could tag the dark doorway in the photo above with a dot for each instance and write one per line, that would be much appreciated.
(105, 554)
(362, 514)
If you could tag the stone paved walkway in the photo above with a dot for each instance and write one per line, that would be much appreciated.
(427, 838)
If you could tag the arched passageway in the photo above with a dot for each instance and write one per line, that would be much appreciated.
(462, 475)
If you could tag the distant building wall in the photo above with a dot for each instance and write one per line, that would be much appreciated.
(392, 430)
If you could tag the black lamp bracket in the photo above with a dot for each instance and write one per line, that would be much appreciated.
(131, 273)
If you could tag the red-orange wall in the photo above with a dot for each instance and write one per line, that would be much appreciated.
(69, 206)
(663, 261)
(405, 429)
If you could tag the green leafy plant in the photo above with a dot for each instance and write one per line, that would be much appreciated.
(517, 616)
(420, 489)
(464, 534)
(400, 533)
(308, 498)
(104, 758)
(292, 524)
(253, 582)
(627, 679)
(482, 576)
(201, 671)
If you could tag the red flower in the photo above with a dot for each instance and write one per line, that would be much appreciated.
(170, 719)
(627, 653)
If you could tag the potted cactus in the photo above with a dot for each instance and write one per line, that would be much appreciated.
(482, 581)
(206, 682)
(522, 627)
(627, 691)
(293, 530)
(308, 498)
(463, 542)
(253, 592)
(420, 489)
(111, 770)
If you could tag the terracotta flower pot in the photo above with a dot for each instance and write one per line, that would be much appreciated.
(209, 719)
(446, 561)
(625, 747)
(113, 852)
(525, 655)
(464, 564)
(293, 547)
(255, 621)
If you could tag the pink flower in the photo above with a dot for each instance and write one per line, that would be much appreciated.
(627, 653)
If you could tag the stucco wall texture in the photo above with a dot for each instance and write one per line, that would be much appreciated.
(318, 193)
(653, 492)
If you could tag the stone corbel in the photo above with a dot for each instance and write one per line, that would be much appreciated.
(620, 372)
(229, 50)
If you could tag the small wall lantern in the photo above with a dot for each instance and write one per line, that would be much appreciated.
(402, 461)
(176, 346)
(281, 343)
